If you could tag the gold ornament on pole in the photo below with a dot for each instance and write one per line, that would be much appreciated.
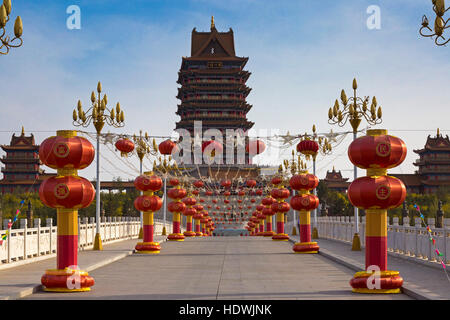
(440, 24)
(354, 110)
(99, 115)
(6, 43)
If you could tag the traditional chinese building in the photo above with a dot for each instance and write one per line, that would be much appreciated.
(213, 86)
(22, 165)
(434, 164)
(335, 181)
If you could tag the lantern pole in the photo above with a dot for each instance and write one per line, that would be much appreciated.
(98, 115)
(98, 242)
(164, 232)
(355, 109)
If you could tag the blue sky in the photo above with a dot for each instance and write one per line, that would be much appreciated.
(302, 53)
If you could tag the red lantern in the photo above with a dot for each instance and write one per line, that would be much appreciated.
(190, 201)
(67, 192)
(383, 192)
(174, 182)
(176, 206)
(251, 183)
(255, 147)
(276, 180)
(259, 192)
(211, 147)
(380, 151)
(198, 184)
(304, 182)
(280, 207)
(226, 183)
(280, 193)
(268, 201)
(125, 146)
(305, 202)
(176, 193)
(260, 207)
(148, 203)
(167, 147)
(72, 153)
(148, 183)
(308, 147)
(190, 212)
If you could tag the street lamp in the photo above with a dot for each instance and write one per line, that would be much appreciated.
(142, 149)
(322, 146)
(354, 110)
(6, 42)
(99, 114)
(439, 24)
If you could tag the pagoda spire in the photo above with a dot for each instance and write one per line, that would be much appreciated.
(23, 131)
(212, 23)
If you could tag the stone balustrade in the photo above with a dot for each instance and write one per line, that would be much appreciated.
(28, 243)
(405, 240)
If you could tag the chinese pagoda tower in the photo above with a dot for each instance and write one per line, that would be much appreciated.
(22, 163)
(213, 85)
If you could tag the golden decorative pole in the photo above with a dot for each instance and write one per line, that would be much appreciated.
(6, 42)
(354, 110)
(141, 150)
(99, 115)
(440, 24)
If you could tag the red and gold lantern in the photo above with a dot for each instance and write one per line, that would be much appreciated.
(304, 202)
(376, 193)
(67, 192)
(176, 207)
(125, 146)
(167, 147)
(280, 207)
(189, 212)
(148, 203)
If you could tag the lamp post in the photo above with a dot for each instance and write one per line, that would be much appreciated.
(6, 43)
(141, 150)
(98, 115)
(309, 147)
(355, 109)
(440, 24)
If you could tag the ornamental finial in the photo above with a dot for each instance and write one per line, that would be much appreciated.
(212, 23)
(23, 131)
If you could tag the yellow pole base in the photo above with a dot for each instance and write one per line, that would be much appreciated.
(315, 234)
(98, 242)
(356, 245)
(141, 233)
(164, 232)
(294, 231)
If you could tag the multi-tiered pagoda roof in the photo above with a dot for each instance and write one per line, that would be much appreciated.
(213, 84)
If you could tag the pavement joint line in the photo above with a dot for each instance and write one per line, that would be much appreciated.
(408, 289)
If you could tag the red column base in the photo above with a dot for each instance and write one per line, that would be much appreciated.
(269, 234)
(148, 247)
(198, 234)
(189, 234)
(306, 247)
(66, 280)
(175, 237)
(280, 237)
(389, 282)
(260, 234)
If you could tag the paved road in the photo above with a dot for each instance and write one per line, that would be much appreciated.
(221, 268)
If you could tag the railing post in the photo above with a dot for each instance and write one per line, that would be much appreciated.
(37, 223)
(430, 222)
(417, 225)
(49, 224)
(6, 223)
(23, 225)
(79, 229)
(92, 223)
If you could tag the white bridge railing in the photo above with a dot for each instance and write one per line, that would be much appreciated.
(30, 243)
(405, 240)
